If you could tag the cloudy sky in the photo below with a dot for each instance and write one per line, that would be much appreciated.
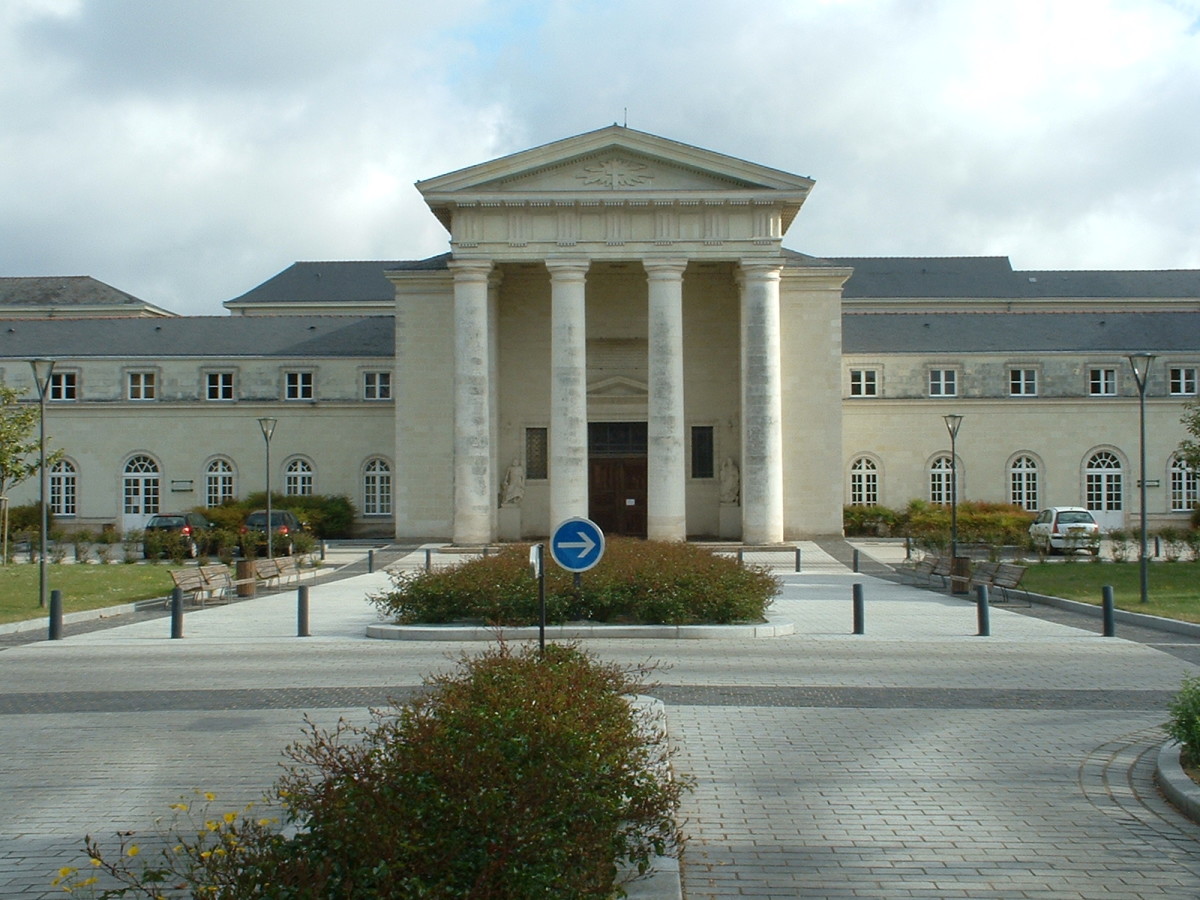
(187, 151)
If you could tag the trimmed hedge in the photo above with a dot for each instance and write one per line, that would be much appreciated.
(637, 582)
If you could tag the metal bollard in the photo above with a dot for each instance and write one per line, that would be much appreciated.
(302, 611)
(324, 547)
(428, 559)
(56, 616)
(740, 557)
(370, 561)
(855, 561)
(1110, 616)
(982, 610)
(859, 610)
(176, 613)
(797, 559)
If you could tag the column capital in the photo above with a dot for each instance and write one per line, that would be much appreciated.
(664, 269)
(568, 267)
(470, 269)
(760, 269)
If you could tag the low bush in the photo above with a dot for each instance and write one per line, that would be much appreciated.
(1184, 724)
(637, 582)
(518, 776)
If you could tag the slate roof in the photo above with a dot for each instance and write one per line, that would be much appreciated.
(220, 337)
(1031, 332)
(335, 282)
(65, 292)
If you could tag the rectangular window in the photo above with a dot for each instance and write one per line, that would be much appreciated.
(943, 383)
(64, 386)
(1183, 381)
(298, 386)
(141, 386)
(702, 451)
(1022, 383)
(377, 385)
(219, 386)
(537, 453)
(864, 383)
(1102, 382)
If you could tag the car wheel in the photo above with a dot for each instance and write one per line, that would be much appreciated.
(192, 550)
(289, 549)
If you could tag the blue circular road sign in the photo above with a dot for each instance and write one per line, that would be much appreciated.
(577, 544)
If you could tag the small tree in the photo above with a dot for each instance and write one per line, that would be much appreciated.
(19, 456)
(1189, 448)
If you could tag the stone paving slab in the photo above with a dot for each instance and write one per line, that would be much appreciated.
(917, 760)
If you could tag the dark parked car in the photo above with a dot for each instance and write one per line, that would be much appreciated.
(192, 529)
(285, 526)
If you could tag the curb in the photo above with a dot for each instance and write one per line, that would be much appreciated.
(773, 627)
(1180, 790)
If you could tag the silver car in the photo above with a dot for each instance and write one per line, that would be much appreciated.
(1062, 528)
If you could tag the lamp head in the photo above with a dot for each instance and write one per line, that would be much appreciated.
(42, 370)
(267, 424)
(952, 423)
(1140, 363)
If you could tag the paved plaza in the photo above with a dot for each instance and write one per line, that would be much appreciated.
(917, 760)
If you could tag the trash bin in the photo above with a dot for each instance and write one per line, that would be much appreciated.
(245, 578)
(960, 575)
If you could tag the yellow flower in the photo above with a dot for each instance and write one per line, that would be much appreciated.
(179, 807)
(212, 825)
(95, 861)
(65, 871)
(88, 881)
(210, 796)
(229, 817)
(133, 851)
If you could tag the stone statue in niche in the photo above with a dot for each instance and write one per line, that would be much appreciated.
(730, 481)
(513, 489)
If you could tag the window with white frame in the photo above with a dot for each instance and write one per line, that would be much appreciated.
(1183, 381)
(537, 454)
(1022, 382)
(864, 383)
(298, 385)
(218, 482)
(218, 386)
(1023, 483)
(298, 478)
(943, 382)
(864, 482)
(1185, 486)
(377, 488)
(64, 386)
(1102, 382)
(63, 489)
(941, 481)
(377, 385)
(1104, 483)
(141, 486)
(142, 385)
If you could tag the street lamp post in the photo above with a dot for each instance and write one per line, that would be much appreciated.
(267, 425)
(42, 370)
(1140, 363)
(952, 424)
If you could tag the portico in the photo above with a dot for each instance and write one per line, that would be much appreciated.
(615, 277)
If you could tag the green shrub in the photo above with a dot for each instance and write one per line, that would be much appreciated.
(637, 582)
(517, 776)
(871, 521)
(1184, 724)
(994, 524)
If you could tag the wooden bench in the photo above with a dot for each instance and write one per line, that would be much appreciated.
(191, 581)
(922, 568)
(222, 583)
(1006, 577)
(278, 571)
(289, 569)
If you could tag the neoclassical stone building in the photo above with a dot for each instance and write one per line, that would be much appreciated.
(618, 332)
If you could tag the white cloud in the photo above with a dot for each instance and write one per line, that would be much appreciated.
(186, 151)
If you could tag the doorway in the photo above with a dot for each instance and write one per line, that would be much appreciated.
(617, 477)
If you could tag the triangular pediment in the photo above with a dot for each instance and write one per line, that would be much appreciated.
(617, 386)
(610, 165)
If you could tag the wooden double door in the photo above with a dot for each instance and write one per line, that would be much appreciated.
(617, 477)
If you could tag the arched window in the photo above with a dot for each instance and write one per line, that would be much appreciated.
(864, 482)
(377, 488)
(1105, 483)
(218, 482)
(1185, 485)
(1023, 483)
(63, 483)
(141, 487)
(941, 476)
(298, 478)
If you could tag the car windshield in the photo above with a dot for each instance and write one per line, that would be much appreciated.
(1076, 517)
(166, 521)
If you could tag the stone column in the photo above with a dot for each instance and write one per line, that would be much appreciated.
(568, 390)
(666, 514)
(762, 405)
(473, 466)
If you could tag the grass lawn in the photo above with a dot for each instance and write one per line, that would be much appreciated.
(1174, 586)
(82, 586)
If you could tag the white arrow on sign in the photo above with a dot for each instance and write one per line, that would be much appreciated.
(585, 545)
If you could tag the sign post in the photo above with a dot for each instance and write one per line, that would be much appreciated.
(536, 553)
